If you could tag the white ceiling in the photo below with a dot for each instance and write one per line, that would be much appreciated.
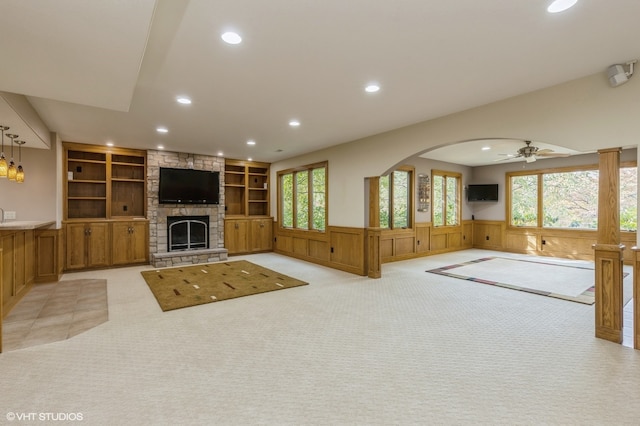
(482, 152)
(109, 70)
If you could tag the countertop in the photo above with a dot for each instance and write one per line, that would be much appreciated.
(16, 225)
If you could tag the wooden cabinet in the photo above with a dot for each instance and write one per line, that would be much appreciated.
(246, 188)
(261, 237)
(100, 244)
(105, 206)
(236, 235)
(248, 235)
(104, 183)
(247, 225)
(129, 242)
(18, 265)
(87, 245)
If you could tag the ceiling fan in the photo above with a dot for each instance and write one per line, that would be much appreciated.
(530, 153)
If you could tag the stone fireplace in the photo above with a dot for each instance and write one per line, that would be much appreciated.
(190, 249)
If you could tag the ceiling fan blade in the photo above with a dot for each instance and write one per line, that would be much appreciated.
(544, 151)
(552, 154)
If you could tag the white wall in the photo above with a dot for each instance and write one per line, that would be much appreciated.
(38, 197)
(584, 115)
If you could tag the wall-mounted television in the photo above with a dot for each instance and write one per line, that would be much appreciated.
(188, 186)
(487, 192)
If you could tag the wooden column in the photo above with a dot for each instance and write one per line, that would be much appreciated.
(1, 301)
(372, 253)
(608, 250)
(636, 297)
(374, 259)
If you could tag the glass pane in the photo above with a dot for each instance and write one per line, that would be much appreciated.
(400, 199)
(570, 200)
(384, 202)
(524, 200)
(302, 200)
(438, 200)
(319, 199)
(452, 201)
(629, 199)
(287, 200)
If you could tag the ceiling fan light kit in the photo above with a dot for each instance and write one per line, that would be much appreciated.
(531, 153)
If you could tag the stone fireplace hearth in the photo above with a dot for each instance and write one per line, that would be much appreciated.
(159, 214)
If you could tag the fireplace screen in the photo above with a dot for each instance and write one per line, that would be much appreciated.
(188, 232)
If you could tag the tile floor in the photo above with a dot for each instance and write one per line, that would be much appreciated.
(56, 311)
(627, 324)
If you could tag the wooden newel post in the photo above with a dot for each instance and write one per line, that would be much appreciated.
(636, 297)
(608, 250)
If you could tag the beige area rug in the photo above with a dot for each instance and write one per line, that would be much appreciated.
(569, 282)
(186, 286)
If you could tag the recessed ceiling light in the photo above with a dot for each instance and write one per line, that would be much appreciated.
(183, 100)
(372, 88)
(294, 123)
(162, 130)
(249, 159)
(251, 142)
(560, 5)
(161, 147)
(486, 148)
(109, 143)
(220, 154)
(231, 37)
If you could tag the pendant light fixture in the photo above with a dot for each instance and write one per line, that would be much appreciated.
(3, 161)
(11, 170)
(20, 172)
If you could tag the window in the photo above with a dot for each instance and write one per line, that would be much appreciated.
(567, 198)
(446, 198)
(395, 199)
(303, 198)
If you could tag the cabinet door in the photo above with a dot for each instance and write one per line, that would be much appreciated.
(139, 242)
(236, 236)
(129, 242)
(97, 244)
(76, 245)
(261, 234)
(121, 242)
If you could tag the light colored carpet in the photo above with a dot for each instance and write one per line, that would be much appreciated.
(568, 280)
(344, 350)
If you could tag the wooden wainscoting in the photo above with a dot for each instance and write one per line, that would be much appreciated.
(564, 243)
(338, 247)
(424, 240)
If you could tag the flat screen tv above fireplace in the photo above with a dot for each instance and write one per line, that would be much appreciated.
(188, 186)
